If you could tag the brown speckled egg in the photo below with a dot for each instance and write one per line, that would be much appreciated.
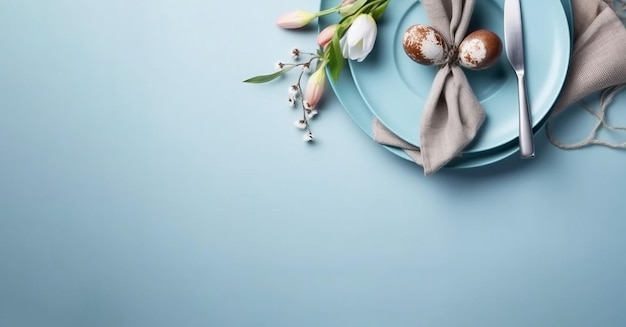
(424, 45)
(480, 50)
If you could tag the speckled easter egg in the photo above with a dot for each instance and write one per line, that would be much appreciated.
(480, 50)
(424, 45)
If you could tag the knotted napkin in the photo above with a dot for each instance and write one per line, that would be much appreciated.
(451, 119)
(452, 114)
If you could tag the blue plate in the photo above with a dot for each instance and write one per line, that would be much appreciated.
(569, 13)
(349, 96)
(395, 88)
(353, 104)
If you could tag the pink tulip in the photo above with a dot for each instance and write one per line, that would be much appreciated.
(295, 19)
(326, 35)
(315, 88)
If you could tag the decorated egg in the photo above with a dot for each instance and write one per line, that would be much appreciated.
(479, 50)
(424, 45)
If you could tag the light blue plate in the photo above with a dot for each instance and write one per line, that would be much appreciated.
(395, 88)
(569, 13)
(353, 104)
(356, 108)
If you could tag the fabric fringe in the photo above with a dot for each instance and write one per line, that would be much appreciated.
(606, 98)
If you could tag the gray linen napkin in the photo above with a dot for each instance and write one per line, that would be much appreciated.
(597, 62)
(599, 55)
(452, 114)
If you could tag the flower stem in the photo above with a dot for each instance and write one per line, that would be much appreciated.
(369, 6)
(327, 11)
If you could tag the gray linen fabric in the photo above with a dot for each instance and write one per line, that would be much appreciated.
(452, 115)
(599, 56)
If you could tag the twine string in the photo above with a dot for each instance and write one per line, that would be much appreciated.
(607, 96)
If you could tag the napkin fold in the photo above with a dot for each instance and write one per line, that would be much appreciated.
(452, 115)
(599, 55)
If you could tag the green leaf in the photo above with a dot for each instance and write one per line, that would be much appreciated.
(354, 8)
(269, 77)
(378, 11)
(335, 56)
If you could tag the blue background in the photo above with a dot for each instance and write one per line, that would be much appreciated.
(143, 184)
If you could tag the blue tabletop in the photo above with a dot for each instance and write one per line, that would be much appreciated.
(143, 184)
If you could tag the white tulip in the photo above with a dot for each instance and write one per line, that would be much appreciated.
(359, 39)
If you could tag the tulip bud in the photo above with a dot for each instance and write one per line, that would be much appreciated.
(326, 35)
(345, 6)
(315, 87)
(295, 19)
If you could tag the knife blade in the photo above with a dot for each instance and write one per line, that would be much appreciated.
(514, 47)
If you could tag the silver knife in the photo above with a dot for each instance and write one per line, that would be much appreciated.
(514, 45)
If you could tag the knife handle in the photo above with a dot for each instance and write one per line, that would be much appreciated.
(526, 143)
